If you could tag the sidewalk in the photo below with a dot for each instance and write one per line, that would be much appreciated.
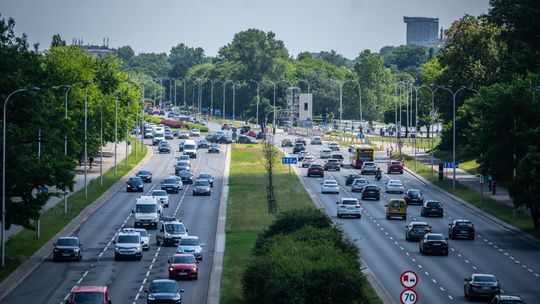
(108, 162)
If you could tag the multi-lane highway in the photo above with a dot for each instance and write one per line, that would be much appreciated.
(52, 281)
(496, 250)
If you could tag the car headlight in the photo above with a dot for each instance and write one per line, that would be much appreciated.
(193, 268)
(176, 297)
(171, 269)
(167, 235)
(56, 250)
(76, 249)
(198, 250)
(151, 297)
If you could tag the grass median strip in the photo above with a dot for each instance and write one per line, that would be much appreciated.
(247, 213)
(23, 245)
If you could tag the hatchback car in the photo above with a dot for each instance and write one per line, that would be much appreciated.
(415, 231)
(315, 170)
(316, 140)
(434, 243)
(371, 191)
(186, 176)
(394, 166)
(183, 266)
(330, 186)
(298, 147)
(461, 229)
(89, 295)
(481, 285)
(432, 208)
(194, 133)
(325, 153)
(349, 207)
(208, 177)
(368, 168)
(67, 248)
(394, 186)
(414, 197)
(201, 187)
(213, 148)
(135, 184)
(358, 184)
(145, 175)
(192, 245)
(164, 147)
(162, 196)
(163, 291)
(332, 164)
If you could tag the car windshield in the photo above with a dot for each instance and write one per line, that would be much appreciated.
(435, 237)
(67, 242)
(163, 143)
(144, 173)
(189, 147)
(354, 175)
(163, 287)
(127, 239)
(189, 242)
(169, 181)
(332, 161)
(369, 165)
(414, 193)
(420, 226)
(395, 164)
(433, 204)
(87, 298)
(134, 180)
(184, 174)
(201, 183)
(484, 278)
(184, 259)
(175, 228)
(205, 175)
(146, 208)
(159, 193)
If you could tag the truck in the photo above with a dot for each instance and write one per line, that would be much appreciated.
(148, 211)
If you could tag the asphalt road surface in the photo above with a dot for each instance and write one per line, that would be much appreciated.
(51, 282)
(495, 250)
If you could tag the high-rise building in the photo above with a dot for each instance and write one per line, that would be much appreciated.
(422, 31)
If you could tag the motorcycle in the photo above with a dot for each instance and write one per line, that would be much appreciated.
(378, 176)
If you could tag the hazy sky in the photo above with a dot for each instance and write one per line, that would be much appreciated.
(347, 26)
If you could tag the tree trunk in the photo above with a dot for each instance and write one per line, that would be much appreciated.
(535, 214)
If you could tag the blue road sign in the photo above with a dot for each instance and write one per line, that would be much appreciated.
(44, 189)
(449, 165)
(361, 135)
(289, 160)
(217, 112)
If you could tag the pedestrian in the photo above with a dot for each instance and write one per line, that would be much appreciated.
(91, 160)
(387, 151)
(494, 187)
(490, 182)
(80, 159)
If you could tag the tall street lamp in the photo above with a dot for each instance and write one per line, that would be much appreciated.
(341, 84)
(274, 100)
(257, 111)
(4, 152)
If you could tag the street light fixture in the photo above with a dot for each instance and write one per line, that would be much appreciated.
(274, 100)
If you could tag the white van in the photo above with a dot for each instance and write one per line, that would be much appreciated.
(147, 212)
(190, 148)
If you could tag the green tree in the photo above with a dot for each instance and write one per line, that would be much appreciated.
(125, 53)
(57, 41)
(182, 58)
(406, 56)
(152, 64)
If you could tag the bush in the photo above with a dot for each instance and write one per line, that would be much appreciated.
(300, 269)
(191, 125)
(153, 119)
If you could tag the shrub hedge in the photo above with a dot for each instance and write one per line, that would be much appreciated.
(191, 125)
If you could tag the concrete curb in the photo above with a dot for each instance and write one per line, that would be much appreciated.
(27, 267)
(214, 288)
(483, 213)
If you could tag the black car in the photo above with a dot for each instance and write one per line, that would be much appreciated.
(145, 175)
(203, 143)
(164, 291)
(371, 191)
(186, 176)
(212, 137)
(214, 148)
(67, 248)
(415, 231)
(170, 185)
(434, 243)
(349, 178)
(414, 197)
(298, 147)
(332, 164)
(135, 184)
(432, 208)
(208, 177)
(245, 129)
(224, 139)
(164, 147)
(481, 285)
(461, 229)
(244, 139)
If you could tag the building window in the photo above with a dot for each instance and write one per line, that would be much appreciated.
(305, 106)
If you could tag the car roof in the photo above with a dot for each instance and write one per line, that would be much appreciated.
(68, 238)
(128, 233)
(395, 181)
(419, 223)
(190, 237)
(163, 281)
(333, 181)
(89, 289)
(349, 199)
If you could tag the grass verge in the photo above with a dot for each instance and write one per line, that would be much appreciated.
(247, 214)
(23, 245)
(489, 205)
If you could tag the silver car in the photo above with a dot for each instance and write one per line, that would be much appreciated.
(201, 187)
(368, 168)
(162, 196)
(330, 186)
(191, 244)
(395, 186)
(358, 184)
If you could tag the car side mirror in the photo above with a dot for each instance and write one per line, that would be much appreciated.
(146, 290)
(466, 280)
(202, 245)
(142, 242)
(337, 203)
(114, 241)
(132, 211)
(181, 290)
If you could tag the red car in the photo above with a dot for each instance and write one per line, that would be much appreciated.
(89, 294)
(315, 169)
(183, 266)
(395, 166)
(252, 133)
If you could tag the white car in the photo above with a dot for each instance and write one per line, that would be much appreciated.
(330, 186)
(308, 160)
(358, 184)
(349, 207)
(326, 153)
(334, 146)
(145, 236)
(395, 186)
(316, 140)
(194, 133)
(162, 196)
(157, 139)
(184, 158)
(303, 154)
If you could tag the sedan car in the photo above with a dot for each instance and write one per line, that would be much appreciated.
(213, 148)
(135, 184)
(164, 147)
(298, 147)
(307, 161)
(67, 248)
(183, 135)
(183, 266)
(434, 243)
(415, 231)
(332, 164)
(349, 207)
(334, 146)
(358, 185)
(507, 299)
(432, 208)
(414, 196)
(208, 177)
(244, 139)
(201, 187)
(163, 291)
(162, 196)
(461, 229)
(169, 135)
(368, 168)
(481, 285)
(330, 186)
(203, 143)
(325, 153)
(181, 165)
(349, 178)
(194, 133)
(316, 140)
(171, 184)
(224, 139)
(192, 245)
(145, 175)
(394, 186)
(371, 191)
(186, 176)
(315, 169)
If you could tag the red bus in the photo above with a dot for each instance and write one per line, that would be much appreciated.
(361, 154)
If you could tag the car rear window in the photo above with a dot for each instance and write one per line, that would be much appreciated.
(433, 204)
(337, 156)
(88, 297)
(159, 193)
(348, 202)
(464, 225)
(484, 278)
(371, 188)
(435, 237)
(67, 242)
(315, 166)
(129, 239)
(189, 242)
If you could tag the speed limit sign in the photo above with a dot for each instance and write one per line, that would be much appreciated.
(408, 296)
